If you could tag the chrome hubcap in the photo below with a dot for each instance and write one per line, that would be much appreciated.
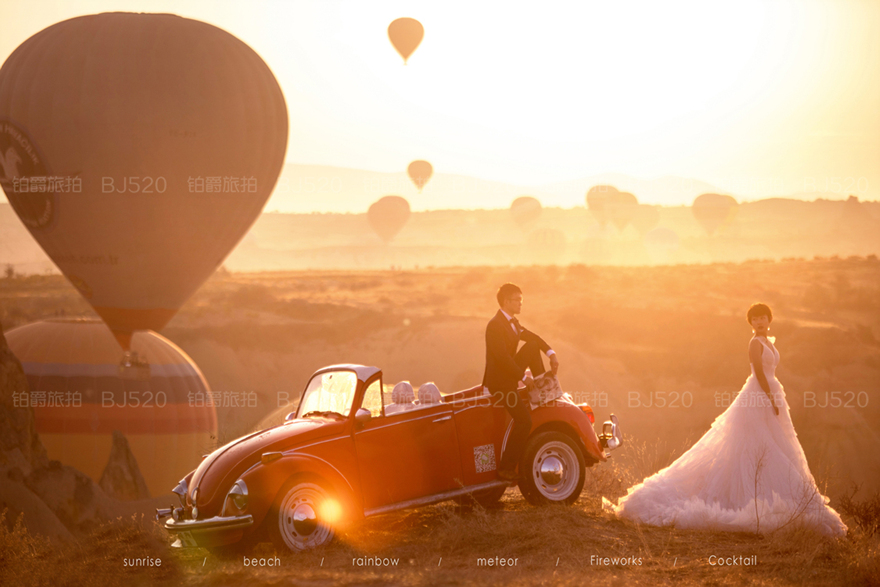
(555, 471)
(552, 470)
(304, 519)
(298, 520)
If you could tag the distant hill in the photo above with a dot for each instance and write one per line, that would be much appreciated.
(766, 229)
(319, 188)
(324, 188)
(776, 228)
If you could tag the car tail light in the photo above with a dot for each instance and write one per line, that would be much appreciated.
(589, 412)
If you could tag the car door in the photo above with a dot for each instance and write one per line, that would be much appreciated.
(406, 455)
(481, 424)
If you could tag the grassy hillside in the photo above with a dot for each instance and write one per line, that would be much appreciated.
(627, 338)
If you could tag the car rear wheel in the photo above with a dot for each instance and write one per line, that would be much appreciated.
(552, 469)
(299, 523)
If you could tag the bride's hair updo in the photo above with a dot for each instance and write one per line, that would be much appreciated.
(756, 310)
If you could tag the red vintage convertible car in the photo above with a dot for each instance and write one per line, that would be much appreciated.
(348, 453)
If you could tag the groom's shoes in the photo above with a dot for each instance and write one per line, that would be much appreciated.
(508, 475)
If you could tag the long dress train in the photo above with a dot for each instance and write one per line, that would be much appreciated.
(747, 473)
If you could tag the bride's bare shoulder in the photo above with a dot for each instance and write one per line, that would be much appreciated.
(755, 346)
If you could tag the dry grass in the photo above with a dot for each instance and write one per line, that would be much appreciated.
(96, 559)
(552, 546)
(865, 513)
(666, 327)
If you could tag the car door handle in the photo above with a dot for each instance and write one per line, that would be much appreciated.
(443, 418)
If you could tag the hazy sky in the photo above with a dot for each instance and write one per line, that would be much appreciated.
(756, 97)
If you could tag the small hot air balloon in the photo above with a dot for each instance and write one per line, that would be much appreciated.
(547, 245)
(420, 172)
(138, 149)
(597, 199)
(525, 210)
(714, 210)
(646, 218)
(81, 393)
(388, 215)
(620, 209)
(405, 34)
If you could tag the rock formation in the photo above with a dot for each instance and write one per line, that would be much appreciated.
(56, 500)
(17, 426)
(122, 478)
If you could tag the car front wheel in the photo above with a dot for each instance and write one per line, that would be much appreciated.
(299, 525)
(552, 469)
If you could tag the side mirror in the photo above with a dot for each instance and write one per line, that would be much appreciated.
(290, 416)
(362, 416)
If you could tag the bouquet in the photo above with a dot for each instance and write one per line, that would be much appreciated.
(546, 389)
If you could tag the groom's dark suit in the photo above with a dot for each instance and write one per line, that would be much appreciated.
(505, 368)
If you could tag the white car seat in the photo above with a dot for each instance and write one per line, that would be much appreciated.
(402, 398)
(429, 394)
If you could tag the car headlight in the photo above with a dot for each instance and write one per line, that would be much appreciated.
(239, 495)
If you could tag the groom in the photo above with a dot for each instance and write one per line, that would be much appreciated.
(505, 368)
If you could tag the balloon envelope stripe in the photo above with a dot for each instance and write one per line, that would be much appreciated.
(93, 419)
(175, 389)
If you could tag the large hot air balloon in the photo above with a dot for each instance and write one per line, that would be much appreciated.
(387, 216)
(620, 209)
(138, 149)
(597, 199)
(420, 172)
(525, 210)
(405, 34)
(81, 393)
(646, 218)
(714, 210)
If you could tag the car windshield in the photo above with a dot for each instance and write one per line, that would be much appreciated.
(329, 393)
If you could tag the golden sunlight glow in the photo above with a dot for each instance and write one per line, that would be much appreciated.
(330, 511)
(756, 98)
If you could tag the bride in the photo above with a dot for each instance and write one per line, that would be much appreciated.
(748, 472)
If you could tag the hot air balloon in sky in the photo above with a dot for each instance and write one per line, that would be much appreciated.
(525, 210)
(420, 172)
(388, 215)
(714, 210)
(405, 34)
(620, 208)
(597, 199)
(81, 393)
(138, 149)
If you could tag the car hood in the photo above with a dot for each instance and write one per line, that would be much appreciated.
(220, 469)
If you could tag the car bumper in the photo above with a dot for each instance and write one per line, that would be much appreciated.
(216, 531)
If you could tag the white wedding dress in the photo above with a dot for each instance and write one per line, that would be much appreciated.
(747, 473)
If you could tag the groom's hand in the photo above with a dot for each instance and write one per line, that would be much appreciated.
(554, 364)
